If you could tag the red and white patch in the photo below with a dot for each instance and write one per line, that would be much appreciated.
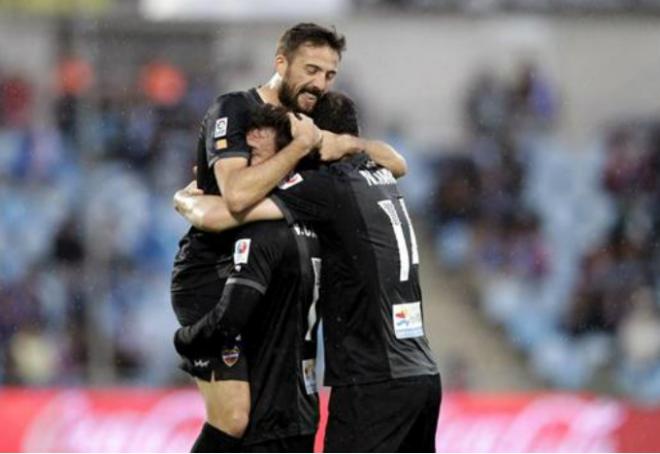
(292, 180)
(230, 356)
(242, 251)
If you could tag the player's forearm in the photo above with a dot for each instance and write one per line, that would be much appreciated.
(225, 320)
(211, 214)
(386, 156)
(206, 212)
(247, 186)
(336, 146)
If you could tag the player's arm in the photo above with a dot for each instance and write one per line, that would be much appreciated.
(308, 199)
(255, 258)
(243, 185)
(225, 321)
(211, 213)
(335, 146)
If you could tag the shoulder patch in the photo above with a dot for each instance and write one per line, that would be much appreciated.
(242, 251)
(220, 127)
(291, 180)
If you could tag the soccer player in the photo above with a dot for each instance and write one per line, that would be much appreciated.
(306, 64)
(269, 300)
(385, 384)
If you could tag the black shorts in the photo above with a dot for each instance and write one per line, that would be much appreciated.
(230, 362)
(399, 415)
(301, 443)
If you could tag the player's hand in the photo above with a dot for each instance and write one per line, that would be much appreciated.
(335, 146)
(192, 189)
(181, 197)
(305, 131)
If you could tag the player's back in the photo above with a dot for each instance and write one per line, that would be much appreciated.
(381, 310)
(371, 299)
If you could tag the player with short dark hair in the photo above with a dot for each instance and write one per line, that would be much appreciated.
(386, 388)
(305, 69)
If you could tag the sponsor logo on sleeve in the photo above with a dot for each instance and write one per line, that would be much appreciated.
(291, 180)
(220, 127)
(242, 251)
(407, 320)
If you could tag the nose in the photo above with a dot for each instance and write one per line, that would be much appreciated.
(320, 82)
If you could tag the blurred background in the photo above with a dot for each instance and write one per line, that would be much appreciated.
(532, 133)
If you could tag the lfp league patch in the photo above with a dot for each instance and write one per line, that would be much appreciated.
(242, 251)
(407, 320)
(220, 127)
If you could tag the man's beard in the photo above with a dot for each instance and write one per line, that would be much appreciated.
(289, 99)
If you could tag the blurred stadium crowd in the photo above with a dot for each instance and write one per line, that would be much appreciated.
(87, 229)
(559, 247)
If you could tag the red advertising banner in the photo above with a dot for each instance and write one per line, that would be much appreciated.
(148, 420)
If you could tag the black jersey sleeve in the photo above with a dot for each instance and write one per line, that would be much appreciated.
(257, 251)
(306, 197)
(225, 126)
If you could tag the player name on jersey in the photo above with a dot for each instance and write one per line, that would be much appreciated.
(378, 177)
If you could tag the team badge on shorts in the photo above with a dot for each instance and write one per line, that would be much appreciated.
(220, 127)
(230, 356)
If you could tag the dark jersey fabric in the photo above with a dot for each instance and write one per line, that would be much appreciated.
(203, 257)
(371, 298)
(283, 263)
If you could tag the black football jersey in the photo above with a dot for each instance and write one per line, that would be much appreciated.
(371, 302)
(205, 257)
(283, 263)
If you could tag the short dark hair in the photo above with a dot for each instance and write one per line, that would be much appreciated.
(313, 34)
(336, 112)
(270, 116)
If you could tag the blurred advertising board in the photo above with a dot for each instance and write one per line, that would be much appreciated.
(150, 420)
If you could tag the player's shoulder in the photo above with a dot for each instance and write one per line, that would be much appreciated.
(353, 164)
(266, 233)
(237, 101)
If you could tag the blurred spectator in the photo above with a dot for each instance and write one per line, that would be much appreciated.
(487, 105)
(639, 331)
(15, 102)
(611, 274)
(533, 101)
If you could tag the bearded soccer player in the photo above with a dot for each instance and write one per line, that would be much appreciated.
(385, 384)
(306, 64)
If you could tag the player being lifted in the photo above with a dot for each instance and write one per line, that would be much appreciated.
(386, 388)
(269, 299)
(306, 64)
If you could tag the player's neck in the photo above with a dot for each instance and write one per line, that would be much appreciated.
(269, 91)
